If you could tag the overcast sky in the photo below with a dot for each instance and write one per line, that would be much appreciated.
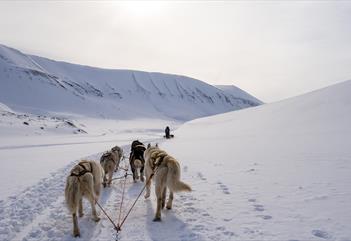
(273, 50)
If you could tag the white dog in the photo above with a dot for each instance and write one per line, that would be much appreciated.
(166, 171)
(84, 180)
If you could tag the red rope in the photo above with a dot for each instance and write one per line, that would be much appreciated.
(102, 209)
(120, 207)
(130, 209)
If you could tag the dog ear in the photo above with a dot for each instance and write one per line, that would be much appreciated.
(156, 144)
(148, 146)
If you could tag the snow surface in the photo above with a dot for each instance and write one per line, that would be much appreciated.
(275, 172)
(279, 171)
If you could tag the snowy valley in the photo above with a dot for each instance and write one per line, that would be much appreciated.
(278, 171)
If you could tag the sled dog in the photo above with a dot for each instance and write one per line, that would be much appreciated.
(136, 160)
(110, 162)
(84, 180)
(118, 151)
(166, 171)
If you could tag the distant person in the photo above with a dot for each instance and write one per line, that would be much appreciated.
(167, 131)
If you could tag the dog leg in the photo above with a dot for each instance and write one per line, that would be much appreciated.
(164, 192)
(137, 170)
(76, 232)
(134, 174)
(148, 184)
(159, 203)
(93, 208)
(104, 180)
(170, 200)
(80, 208)
(110, 177)
(142, 174)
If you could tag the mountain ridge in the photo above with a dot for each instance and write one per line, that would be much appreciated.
(112, 93)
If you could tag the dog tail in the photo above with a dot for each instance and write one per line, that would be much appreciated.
(138, 163)
(173, 178)
(72, 192)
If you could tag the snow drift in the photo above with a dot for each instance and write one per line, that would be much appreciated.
(279, 171)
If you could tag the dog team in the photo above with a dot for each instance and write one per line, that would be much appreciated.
(87, 177)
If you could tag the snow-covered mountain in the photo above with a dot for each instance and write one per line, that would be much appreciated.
(235, 93)
(39, 85)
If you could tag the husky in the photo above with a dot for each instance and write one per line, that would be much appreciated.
(84, 180)
(166, 172)
(118, 155)
(136, 160)
(110, 163)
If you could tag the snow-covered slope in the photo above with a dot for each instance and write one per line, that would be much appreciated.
(236, 93)
(39, 85)
(17, 125)
(280, 171)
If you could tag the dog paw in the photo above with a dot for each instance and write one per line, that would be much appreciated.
(96, 219)
(76, 234)
(147, 194)
(81, 215)
(157, 219)
(168, 207)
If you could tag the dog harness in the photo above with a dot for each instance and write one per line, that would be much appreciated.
(107, 154)
(84, 171)
(158, 161)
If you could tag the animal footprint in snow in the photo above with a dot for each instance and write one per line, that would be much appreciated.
(198, 227)
(188, 204)
(201, 176)
(252, 200)
(321, 234)
(258, 207)
(228, 233)
(265, 217)
(191, 220)
(223, 187)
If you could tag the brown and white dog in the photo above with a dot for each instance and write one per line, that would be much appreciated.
(166, 172)
(84, 180)
(110, 163)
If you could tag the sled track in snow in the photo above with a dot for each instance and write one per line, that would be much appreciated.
(20, 210)
(39, 213)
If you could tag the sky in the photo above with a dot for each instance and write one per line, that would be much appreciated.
(273, 50)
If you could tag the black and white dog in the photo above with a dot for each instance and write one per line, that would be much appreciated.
(136, 160)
